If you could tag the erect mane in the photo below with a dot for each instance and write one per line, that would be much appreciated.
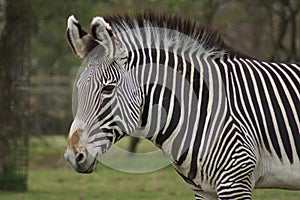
(209, 38)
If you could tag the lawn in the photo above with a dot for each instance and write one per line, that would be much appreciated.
(51, 179)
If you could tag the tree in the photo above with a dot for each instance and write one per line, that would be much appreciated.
(14, 92)
(282, 16)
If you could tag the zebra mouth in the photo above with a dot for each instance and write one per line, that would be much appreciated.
(92, 167)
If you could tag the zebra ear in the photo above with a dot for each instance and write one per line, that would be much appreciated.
(79, 40)
(103, 32)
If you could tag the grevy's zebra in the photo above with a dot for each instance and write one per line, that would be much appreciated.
(227, 122)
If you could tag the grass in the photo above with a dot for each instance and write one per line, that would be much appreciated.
(51, 179)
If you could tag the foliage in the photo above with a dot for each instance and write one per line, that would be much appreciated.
(270, 19)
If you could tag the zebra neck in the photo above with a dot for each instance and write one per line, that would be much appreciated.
(175, 90)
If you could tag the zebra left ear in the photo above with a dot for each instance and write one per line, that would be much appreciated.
(103, 32)
(79, 40)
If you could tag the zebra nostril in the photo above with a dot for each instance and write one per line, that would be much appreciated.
(80, 157)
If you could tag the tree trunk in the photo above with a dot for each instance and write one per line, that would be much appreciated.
(14, 93)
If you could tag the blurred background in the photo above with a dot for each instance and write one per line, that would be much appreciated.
(37, 70)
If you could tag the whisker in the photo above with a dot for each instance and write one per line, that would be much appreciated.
(61, 162)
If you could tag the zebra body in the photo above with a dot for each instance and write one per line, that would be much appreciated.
(228, 123)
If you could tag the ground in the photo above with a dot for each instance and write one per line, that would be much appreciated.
(50, 178)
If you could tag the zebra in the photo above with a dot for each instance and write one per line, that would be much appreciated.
(229, 123)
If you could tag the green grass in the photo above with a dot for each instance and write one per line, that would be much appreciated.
(104, 184)
(51, 179)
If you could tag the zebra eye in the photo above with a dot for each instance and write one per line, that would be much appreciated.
(107, 89)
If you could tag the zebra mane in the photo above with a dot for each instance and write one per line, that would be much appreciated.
(205, 35)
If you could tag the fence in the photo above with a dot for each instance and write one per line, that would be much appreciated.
(50, 105)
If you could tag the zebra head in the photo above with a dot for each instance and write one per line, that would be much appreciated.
(99, 118)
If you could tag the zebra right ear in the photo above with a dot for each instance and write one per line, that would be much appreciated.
(80, 41)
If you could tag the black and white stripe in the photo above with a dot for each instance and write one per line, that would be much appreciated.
(221, 117)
